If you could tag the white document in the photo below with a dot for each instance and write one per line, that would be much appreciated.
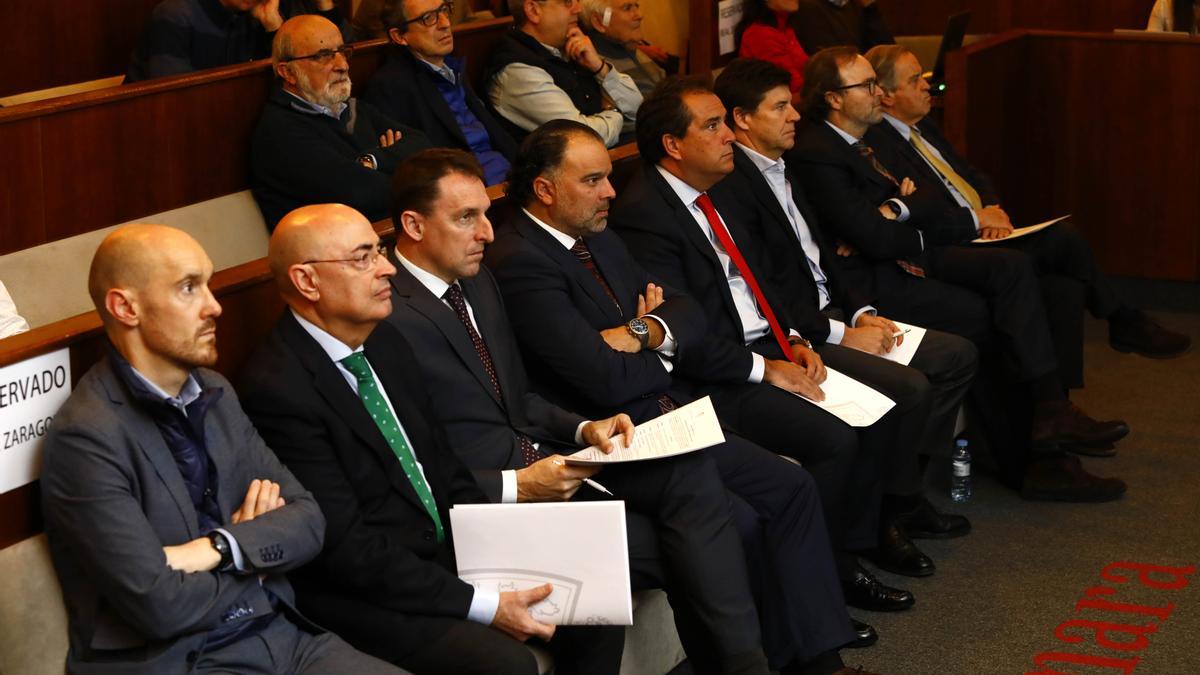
(903, 353)
(1022, 231)
(851, 401)
(579, 547)
(686, 429)
(729, 14)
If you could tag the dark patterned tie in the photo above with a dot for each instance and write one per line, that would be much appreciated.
(458, 303)
(869, 153)
(866, 151)
(584, 254)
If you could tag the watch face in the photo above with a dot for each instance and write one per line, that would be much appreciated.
(639, 327)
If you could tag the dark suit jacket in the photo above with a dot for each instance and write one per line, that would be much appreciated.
(113, 496)
(406, 91)
(895, 151)
(382, 569)
(481, 427)
(558, 309)
(298, 157)
(663, 236)
(786, 262)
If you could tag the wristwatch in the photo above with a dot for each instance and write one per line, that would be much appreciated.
(639, 329)
(894, 208)
(797, 340)
(221, 545)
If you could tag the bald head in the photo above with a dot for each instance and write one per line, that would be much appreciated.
(311, 61)
(326, 262)
(129, 256)
(299, 33)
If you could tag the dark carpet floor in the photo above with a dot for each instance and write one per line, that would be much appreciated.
(1000, 593)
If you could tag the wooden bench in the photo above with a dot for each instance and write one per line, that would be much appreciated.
(92, 160)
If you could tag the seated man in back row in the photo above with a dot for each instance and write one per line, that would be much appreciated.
(422, 85)
(314, 142)
(546, 68)
(171, 523)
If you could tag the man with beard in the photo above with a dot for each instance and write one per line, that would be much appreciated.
(170, 522)
(315, 143)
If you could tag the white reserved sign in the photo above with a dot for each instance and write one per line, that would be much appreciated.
(729, 13)
(31, 392)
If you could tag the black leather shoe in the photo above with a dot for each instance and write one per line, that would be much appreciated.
(1065, 422)
(864, 634)
(1140, 334)
(926, 522)
(1063, 479)
(864, 591)
(897, 554)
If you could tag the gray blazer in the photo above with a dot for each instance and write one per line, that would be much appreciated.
(113, 497)
(478, 424)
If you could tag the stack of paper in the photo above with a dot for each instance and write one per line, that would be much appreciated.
(686, 429)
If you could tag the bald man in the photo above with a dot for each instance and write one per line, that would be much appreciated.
(170, 521)
(314, 142)
(341, 399)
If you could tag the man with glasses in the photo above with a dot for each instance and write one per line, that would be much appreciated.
(546, 68)
(314, 142)
(893, 242)
(615, 27)
(186, 35)
(339, 394)
(423, 86)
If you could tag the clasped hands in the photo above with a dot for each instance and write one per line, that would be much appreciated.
(198, 555)
(873, 335)
(802, 375)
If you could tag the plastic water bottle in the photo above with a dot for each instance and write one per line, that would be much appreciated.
(960, 477)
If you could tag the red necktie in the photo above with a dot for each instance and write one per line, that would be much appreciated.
(718, 228)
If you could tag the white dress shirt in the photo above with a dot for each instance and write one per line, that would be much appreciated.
(754, 324)
(483, 603)
(528, 97)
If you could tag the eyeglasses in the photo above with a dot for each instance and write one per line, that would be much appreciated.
(429, 19)
(362, 262)
(565, 3)
(323, 57)
(869, 84)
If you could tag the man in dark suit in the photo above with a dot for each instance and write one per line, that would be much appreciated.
(908, 256)
(342, 398)
(450, 310)
(844, 328)
(170, 522)
(908, 139)
(314, 142)
(423, 86)
(598, 333)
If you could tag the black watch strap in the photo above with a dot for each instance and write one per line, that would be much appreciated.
(220, 544)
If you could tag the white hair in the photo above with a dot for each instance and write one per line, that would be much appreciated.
(593, 8)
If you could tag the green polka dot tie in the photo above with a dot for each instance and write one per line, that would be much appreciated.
(368, 391)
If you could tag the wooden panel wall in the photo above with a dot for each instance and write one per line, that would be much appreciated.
(928, 17)
(1100, 126)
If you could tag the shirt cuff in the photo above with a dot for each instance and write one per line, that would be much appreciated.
(508, 487)
(837, 331)
(974, 218)
(483, 606)
(667, 348)
(579, 433)
(865, 309)
(904, 212)
(757, 369)
(239, 561)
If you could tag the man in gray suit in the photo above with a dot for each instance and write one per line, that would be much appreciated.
(170, 521)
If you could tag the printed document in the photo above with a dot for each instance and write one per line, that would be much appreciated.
(1022, 231)
(579, 547)
(903, 353)
(851, 401)
(685, 429)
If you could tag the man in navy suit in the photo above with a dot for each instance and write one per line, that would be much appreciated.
(423, 86)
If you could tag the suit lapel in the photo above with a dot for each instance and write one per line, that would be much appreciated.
(151, 443)
(574, 269)
(331, 385)
(424, 303)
